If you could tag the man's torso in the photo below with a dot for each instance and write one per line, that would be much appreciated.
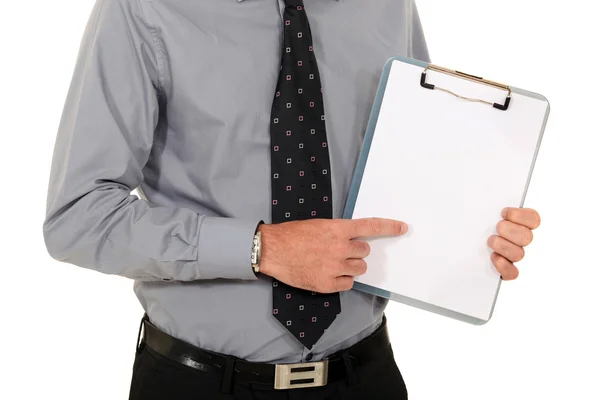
(218, 62)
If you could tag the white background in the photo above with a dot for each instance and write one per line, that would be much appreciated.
(543, 342)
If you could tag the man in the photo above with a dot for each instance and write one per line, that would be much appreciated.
(225, 114)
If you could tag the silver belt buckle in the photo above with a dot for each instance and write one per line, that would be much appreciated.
(293, 376)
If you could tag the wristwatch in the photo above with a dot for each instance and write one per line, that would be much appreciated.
(256, 247)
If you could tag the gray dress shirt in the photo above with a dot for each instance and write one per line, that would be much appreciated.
(173, 98)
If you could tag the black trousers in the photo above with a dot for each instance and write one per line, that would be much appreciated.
(156, 377)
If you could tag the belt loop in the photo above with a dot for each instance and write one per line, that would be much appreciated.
(349, 368)
(228, 375)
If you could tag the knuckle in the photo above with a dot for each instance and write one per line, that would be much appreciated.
(519, 254)
(335, 268)
(341, 226)
(494, 242)
(527, 237)
(339, 249)
(374, 225)
(354, 226)
(513, 213)
(334, 232)
(499, 261)
(494, 258)
(500, 226)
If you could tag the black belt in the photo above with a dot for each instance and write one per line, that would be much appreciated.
(279, 376)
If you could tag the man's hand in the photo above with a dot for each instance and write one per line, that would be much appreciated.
(514, 233)
(320, 254)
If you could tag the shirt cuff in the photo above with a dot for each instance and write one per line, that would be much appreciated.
(225, 248)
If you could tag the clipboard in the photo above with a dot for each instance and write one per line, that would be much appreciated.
(444, 151)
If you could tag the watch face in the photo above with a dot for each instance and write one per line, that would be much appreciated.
(254, 251)
(256, 248)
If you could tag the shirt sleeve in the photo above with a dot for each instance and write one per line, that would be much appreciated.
(104, 140)
(417, 46)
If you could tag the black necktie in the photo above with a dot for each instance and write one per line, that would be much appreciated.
(301, 183)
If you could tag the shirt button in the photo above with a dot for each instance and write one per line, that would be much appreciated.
(309, 357)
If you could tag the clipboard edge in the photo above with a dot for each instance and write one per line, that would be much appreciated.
(540, 136)
(421, 305)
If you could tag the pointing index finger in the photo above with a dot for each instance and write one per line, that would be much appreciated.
(370, 227)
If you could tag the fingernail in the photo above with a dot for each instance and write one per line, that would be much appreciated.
(404, 229)
(504, 212)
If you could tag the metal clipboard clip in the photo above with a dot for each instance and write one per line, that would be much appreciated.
(472, 78)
